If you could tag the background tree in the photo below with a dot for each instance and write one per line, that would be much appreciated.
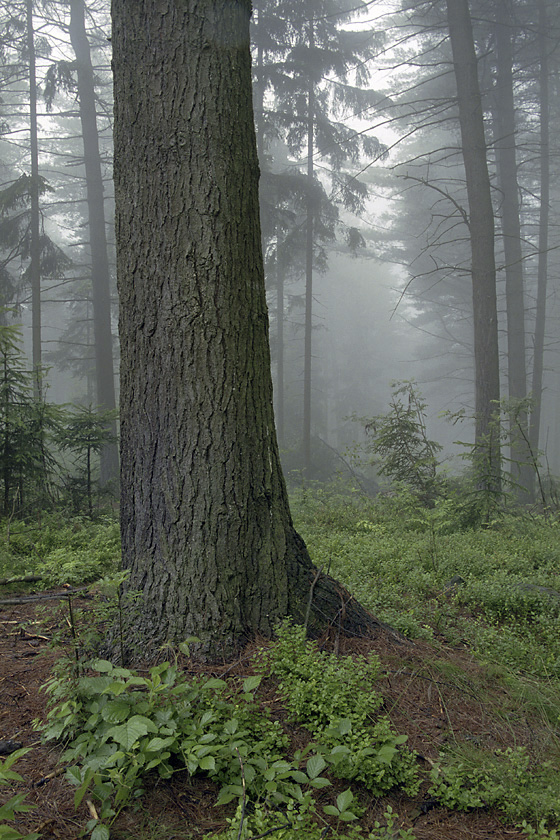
(481, 232)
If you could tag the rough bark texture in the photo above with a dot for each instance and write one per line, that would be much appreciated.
(101, 279)
(206, 529)
(481, 230)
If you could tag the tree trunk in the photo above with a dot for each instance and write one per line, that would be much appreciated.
(35, 228)
(505, 135)
(101, 278)
(206, 529)
(308, 328)
(481, 232)
(542, 271)
(280, 268)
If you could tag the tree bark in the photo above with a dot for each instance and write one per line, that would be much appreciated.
(544, 221)
(101, 278)
(206, 528)
(505, 137)
(481, 231)
(35, 228)
(280, 268)
(309, 253)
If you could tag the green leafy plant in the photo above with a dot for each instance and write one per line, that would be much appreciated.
(16, 804)
(345, 808)
(121, 726)
(390, 831)
(335, 698)
(505, 779)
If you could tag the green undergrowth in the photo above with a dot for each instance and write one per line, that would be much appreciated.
(59, 549)
(119, 726)
(490, 592)
(494, 591)
(429, 576)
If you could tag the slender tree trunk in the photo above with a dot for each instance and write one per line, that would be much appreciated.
(35, 227)
(505, 134)
(101, 277)
(542, 271)
(481, 231)
(206, 529)
(308, 328)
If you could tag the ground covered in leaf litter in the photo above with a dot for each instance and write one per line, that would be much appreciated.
(431, 694)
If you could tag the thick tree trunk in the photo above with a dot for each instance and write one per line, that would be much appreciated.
(505, 134)
(481, 231)
(206, 529)
(101, 278)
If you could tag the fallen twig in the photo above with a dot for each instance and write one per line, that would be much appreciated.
(48, 596)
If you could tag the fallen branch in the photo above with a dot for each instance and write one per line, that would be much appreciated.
(24, 579)
(49, 596)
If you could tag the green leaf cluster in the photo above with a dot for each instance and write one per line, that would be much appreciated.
(16, 804)
(505, 779)
(335, 698)
(121, 726)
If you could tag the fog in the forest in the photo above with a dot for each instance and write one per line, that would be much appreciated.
(367, 213)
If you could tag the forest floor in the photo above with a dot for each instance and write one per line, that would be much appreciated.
(437, 694)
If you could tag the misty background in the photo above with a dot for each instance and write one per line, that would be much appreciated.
(364, 210)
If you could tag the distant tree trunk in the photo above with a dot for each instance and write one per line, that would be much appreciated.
(505, 134)
(308, 327)
(101, 278)
(542, 277)
(206, 529)
(280, 267)
(481, 231)
(35, 226)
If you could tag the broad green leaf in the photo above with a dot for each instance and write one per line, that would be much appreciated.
(116, 711)
(131, 731)
(214, 682)
(208, 763)
(100, 832)
(101, 665)
(319, 782)
(251, 683)
(74, 775)
(314, 766)
(157, 744)
(346, 816)
(116, 688)
(386, 754)
(344, 726)
(344, 799)
(7, 833)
